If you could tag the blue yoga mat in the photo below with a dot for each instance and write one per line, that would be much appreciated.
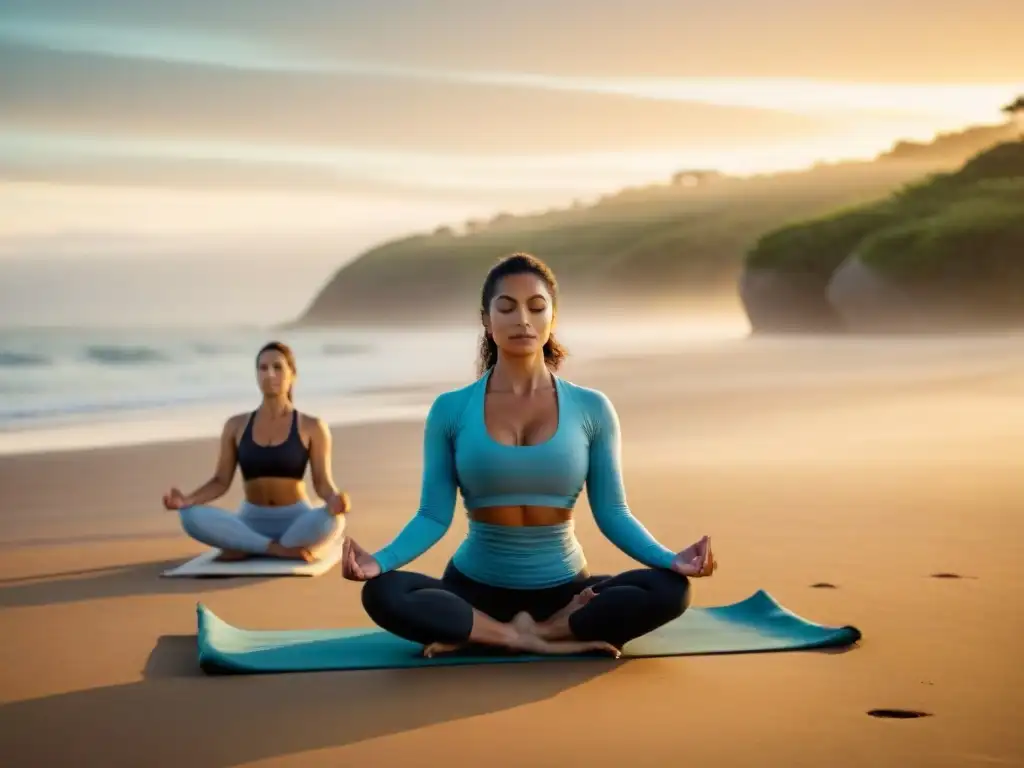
(757, 624)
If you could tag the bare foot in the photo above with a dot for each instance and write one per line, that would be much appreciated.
(580, 600)
(438, 649)
(290, 553)
(525, 638)
(525, 623)
(529, 643)
(556, 625)
(232, 555)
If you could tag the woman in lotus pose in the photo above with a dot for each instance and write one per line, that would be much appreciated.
(272, 446)
(520, 442)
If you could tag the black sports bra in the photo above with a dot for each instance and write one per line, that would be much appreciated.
(288, 459)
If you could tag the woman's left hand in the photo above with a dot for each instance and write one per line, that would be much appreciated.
(338, 504)
(696, 560)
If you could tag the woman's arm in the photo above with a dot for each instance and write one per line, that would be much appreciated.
(437, 493)
(224, 473)
(320, 464)
(606, 491)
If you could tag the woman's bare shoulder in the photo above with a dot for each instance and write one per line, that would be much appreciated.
(312, 425)
(235, 423)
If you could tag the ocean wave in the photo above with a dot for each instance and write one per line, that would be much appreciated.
(210, 349)
(72, 409)
(108, 354)
(23, 360)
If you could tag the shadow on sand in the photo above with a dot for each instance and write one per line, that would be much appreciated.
(177, 717)
(108, 581)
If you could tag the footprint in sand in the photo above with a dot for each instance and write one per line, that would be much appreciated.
(898, 714)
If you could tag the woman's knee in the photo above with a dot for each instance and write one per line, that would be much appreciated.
(192, 520)
(417, 608)
(325, 524)
(671, 592)
(334, 525)
(380, 594)
(314, 527)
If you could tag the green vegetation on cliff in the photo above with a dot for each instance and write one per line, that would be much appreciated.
(976, 237)
(817, 247)
(684, 238)
(958, 228)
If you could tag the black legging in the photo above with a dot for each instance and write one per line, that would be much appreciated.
(427, 610)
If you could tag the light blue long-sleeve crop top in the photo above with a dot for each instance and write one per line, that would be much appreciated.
(460, 455)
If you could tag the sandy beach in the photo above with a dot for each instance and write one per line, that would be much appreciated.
(870, 465)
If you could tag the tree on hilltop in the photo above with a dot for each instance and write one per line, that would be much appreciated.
(1015, 109)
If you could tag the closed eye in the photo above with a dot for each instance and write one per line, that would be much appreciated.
(535, 304)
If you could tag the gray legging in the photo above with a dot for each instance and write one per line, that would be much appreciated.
(254, 527)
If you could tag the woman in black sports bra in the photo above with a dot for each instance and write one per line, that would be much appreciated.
(272, 446)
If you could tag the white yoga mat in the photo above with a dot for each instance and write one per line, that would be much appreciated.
(207, 564)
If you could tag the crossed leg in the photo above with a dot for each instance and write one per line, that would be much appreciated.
(444, 615)
(617, 609)
(248, 534)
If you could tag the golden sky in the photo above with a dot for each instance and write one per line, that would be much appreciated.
(349, 107)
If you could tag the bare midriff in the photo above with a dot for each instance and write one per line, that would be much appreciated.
(521, 516)
(275, 491)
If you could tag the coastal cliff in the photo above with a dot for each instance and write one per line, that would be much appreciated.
(695, 237)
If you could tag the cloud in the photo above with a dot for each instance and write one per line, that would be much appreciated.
(346, 93)
(205, 49)
(182, 46)
(381, 107)
(867, 40)
(212, 164)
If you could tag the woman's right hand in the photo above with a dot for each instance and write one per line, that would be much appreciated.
(356, 563)
(174, 499)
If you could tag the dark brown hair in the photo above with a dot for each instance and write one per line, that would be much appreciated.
(518, 264)
(286, 351)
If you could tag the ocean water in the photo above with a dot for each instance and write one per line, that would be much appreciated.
(79, 387)
(90, 387)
